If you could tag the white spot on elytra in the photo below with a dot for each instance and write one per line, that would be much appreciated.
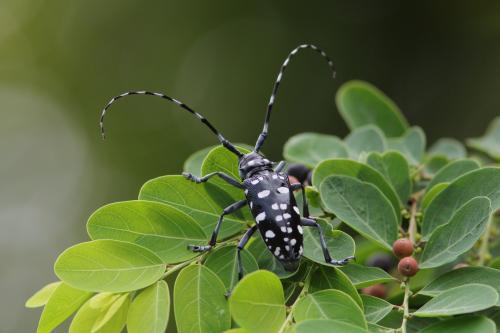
(275, 176)
(299, 228)
(261, 178)
(296, 209)
(281, 177)
(285, 239)
(269, 247)
(287, 216)
(255, 182)
(274, 206)
(270, 234)
(287, 247)
(289, 230)
(283, 206)
(281, 257)
(293, 241)
(279, 218)
(251, 205)
(283, 229)
(277, 251)
(260, 217)
(301, 250)
(246, 192)
(263, 194)
(283, 189)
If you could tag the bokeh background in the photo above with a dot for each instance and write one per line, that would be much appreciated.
(61, 60)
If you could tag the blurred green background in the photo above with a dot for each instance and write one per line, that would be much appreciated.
(60, 62)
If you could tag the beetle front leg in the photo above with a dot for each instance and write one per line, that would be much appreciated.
(228, 210)
(198, 180)
(309, 222)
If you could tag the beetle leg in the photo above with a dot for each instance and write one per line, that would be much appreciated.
(309, 222)
(241, 245)
(228, 210)
(230, 180)
(305, 204)
(280, 166)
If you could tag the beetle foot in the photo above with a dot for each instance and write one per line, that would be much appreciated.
(191, 177)
(341, 262)
(199, 248)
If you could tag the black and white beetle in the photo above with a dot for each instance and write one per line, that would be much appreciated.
(267, 189)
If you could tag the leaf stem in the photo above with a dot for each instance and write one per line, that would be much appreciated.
(405, 305)
(412, 226)
(303, 292)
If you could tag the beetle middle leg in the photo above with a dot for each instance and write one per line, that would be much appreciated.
(198, 180)
(228, 210)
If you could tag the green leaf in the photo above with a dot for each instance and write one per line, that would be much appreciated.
(108, 265)
(221, 159)
(312, 148)
(434, 164)
(326, 326)
(224, 262)
(360, 103)
(365, 139)
(328, 277)
(375, 308)
(203, 202)
(62, 303)
(340, 244)
(257, 302)
(363, 172)
(194, 162)
(162, 229)
(448, 147)
(464, 299)
(394, 167)
(452, 171)
(411, 145)
(329, 304)
(41, 297)
(103, 313)
(462, 276)
(199, 301)
(458, 236)
(374, 328)
(432, 194)
(490, 142)
(472, 184)
(362, 206)
(364, 276)
(464, 324)
(265, 259)
(150, 310)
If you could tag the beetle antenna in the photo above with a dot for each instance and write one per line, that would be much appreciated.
(263, 135)
(204, 120)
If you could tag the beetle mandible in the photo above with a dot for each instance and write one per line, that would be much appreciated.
(268, 191)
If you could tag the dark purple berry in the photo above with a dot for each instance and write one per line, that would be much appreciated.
(381, 260)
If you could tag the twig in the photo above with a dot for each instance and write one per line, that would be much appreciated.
(405, 305)
(412, 227)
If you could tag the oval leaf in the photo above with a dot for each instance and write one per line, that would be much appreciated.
(41, 297)
(362, 206)
(452, 171)
(364, 276)
(473, 184)
(325, 277)
(411, 145)
(62, 303)
(448, 147)
(224, 262)
(459, 235)
(464, 299)
(365, 139)
(461, 276)
(330, 304)
(164, 230)
(360, 103)
(257, 302)
(490, 142)
(465, 324)
(199, 301)
(203, 202)
(396, 171)
(150, 309)
(326, 326)
(363, 172)
(375, 308)
(432, 194)
(108, 265)
(102, 313)
(312, 148)
(340, 244)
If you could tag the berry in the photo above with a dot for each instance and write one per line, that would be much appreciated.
(381, 260)
(293, 180)
(298, 171)
(408, 266)
(403, 247)
(377, 290)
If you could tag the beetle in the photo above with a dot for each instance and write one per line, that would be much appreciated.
(268, 192)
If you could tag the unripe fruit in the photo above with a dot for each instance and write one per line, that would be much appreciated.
(408, 266)
(299, 171)
(403, 247)
(377, 290)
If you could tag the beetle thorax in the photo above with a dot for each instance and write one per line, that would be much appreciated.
(252, 163)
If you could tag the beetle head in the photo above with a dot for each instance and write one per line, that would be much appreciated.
(253, 162)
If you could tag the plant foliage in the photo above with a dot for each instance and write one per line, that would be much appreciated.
(376, 185)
